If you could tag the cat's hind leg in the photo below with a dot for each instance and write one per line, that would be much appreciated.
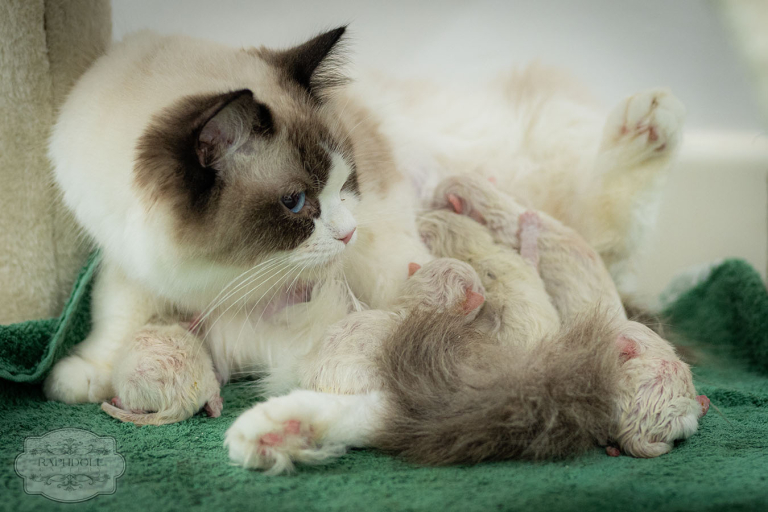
(309, 427)
(619, 204)
(643, 127)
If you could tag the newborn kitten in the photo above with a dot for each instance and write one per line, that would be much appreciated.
(518, 310)
(657, 402)
(461, 396)
(165, 375)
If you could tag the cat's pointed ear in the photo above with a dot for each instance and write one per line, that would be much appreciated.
(228, 123)
(315, 64)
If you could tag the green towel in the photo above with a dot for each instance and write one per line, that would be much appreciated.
(722, 320)
(29, 349)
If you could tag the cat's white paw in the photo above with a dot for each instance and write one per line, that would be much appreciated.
(275, 434)
(645, 125)
(74, 380)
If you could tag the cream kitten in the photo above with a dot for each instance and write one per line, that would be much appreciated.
(252, 189)
(657, 402)
(165, 375)
(518, 310)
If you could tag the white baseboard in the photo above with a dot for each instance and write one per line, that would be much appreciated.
(715, 206)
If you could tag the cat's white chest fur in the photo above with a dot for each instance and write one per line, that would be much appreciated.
(251, 340)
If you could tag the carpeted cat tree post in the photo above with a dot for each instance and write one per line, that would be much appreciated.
(45, 45)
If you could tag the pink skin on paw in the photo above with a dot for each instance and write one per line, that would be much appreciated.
(474, 300)
(455, 203)
(292, 427)
(271, 439)
(528, 233)
(704, 401)
(458, 207)
(530, 220)
(214, 406)
(627, 347)
(117, 402)
(612, 451)
(413, 268)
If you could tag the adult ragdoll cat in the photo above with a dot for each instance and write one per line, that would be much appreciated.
(253, 190)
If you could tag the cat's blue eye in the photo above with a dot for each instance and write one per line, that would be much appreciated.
(294, 202)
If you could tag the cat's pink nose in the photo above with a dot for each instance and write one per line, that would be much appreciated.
(704, 401)
(346, 238)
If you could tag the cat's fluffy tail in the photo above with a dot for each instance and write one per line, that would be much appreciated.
(457, 397)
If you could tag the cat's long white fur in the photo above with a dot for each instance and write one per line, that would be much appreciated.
(534, 132)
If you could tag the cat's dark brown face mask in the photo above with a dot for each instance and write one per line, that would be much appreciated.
(242, 176)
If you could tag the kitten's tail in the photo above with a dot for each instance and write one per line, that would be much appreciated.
(457, 397)
(150, 418)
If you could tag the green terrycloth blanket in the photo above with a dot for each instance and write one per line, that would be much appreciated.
(721, 317)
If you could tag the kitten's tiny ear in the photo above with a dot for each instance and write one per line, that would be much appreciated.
(228, 123)
(413, 268)
(313, 65)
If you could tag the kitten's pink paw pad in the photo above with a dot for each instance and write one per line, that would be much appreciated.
(271, 439)
(117, 402)
(293, 427)
(650, 121)
(473, 301)
(530, 220)
(291, 434)
(455, 202)
(612, 451)
(529, 229)
(627, 348)
(214, 406)
(704, 402)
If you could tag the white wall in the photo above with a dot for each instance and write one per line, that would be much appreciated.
(616, 47)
